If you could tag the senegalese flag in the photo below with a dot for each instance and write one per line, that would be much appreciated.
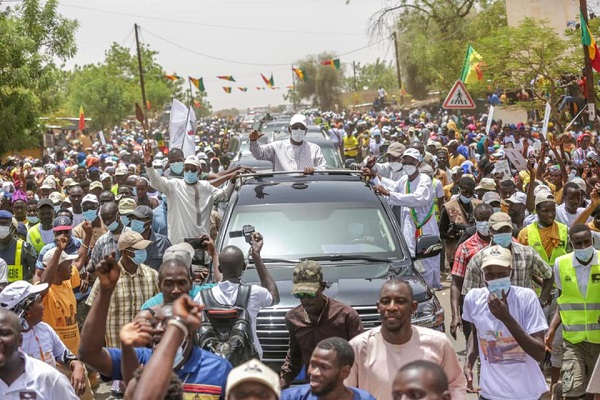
(588, 40)
(335, 63)
(81, 119)
(242, 89)
(227, 89)
(471, 71)
(172, 77)
(301, 73)
(268, 82)
(226, 78)
(198, 82)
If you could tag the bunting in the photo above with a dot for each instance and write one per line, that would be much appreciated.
(268, 82)
(227, 89)
(335, 63)
(172, 77)
(198, 82)
(291, 87)
(242, 89)
(300, 73)
(226, 78)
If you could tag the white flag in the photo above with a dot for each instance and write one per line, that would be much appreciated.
(547, 113)
(182, 128)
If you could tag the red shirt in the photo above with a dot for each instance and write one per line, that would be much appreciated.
(465, 252)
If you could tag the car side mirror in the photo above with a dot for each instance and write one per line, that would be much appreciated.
(428, 246)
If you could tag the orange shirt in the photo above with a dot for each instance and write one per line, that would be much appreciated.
(60, 312)
(549, 236)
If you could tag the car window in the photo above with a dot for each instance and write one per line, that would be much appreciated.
(293, 231)
(331, 158)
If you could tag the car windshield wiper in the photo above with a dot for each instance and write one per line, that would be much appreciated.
(275, 260)
(346, 257)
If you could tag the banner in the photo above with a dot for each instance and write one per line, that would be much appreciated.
(488, 125)
(182, 127)
(546, 120)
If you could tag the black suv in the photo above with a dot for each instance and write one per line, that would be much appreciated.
(333, 217)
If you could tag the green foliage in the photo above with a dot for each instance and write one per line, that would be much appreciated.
(373, 76)
(324, 85)
(32, 38)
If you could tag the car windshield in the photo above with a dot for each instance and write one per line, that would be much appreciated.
(294, 231)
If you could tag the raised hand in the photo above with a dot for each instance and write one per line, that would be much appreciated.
(255, 135)
(137, 333)
(148, 153)
(188, 310)
(108, 271)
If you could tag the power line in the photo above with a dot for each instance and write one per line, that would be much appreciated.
(233, 27)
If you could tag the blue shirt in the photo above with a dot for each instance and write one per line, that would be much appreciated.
(158, 300)
(159, 220)
(72, 248)
(156, 250)
(303, 393)
(204, 374)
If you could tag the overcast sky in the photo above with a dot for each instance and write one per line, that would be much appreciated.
(271, 32)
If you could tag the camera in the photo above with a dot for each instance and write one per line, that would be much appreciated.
(246, 232)
(197, 243)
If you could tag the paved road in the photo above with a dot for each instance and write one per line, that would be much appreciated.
(103, 392)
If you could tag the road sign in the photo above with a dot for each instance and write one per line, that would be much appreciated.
(458, 98)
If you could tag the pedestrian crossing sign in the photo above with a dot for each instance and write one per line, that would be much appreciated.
(458, 98)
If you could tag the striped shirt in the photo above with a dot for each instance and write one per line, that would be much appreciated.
(525, 262)
(131, 291)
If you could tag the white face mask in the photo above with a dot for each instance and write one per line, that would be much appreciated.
(410, 169)
(4, 231)
(396, 166)
(298, 135)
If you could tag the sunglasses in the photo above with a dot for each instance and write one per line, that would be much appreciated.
(298, 126)
(305, 295)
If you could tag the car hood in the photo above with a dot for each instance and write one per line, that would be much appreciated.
(355, 284)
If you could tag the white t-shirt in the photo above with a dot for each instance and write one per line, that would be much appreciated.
(39, 381)
(563, 216)
(507, 372)
(43, 343)
(226, 293)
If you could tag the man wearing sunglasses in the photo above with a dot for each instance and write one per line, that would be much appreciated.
(318, 317)
(295, 154)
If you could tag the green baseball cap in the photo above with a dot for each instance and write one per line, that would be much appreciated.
(308, 277)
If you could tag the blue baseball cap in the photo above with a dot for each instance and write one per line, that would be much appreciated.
(5, 214)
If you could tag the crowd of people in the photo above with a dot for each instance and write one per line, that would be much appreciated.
(109, 271)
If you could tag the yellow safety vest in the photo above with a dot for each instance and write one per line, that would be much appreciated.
(579, 315)
(15, 271)
(535, 241)
(35, 237)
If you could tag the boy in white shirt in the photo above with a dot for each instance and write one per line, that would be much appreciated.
(508, 333)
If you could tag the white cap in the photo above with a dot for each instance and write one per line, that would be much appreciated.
(192, 160)
(496, 255)
(18, 291)
(253, 371)
(89, 198)
(63, 256)
(49, 183)
(413, 153)
(122, 171)
(298, 119)
(518, 198)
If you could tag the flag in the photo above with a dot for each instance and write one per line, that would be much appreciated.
(471, 71)
(227, 89)
(226, 78)
(81, 119)
(197, 104)
(148, 105)
(182, 126)
(258, 88)
(139, 114)
(268, 82)
(243, 89)
(172, 77)
(301, 73)
(291, 87)
(274, 87)
(335, 63)
(198, 82)
(588, 40)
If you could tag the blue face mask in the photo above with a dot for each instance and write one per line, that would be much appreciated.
(465, 199)
(56, 208)
(33, 220)
(90, 215)
(139, 256)
(584, 254)
(190, 177)
(496, 286)
(113, 226)
(138, 226)
(125, 220)
(503, 239)
(134, 192)
(177, 167)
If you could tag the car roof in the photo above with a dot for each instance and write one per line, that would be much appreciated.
(335, 186)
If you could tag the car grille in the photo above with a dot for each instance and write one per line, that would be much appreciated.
(274, 337)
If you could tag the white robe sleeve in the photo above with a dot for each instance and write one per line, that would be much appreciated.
(419, 197)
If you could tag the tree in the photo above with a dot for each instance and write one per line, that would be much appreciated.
(373, 76)
(33, 37)
(324, 84)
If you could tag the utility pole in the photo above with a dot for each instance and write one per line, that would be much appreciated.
(588, 73)
(398, 67)
(139, 57)
(354, 71)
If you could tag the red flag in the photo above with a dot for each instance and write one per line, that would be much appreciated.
(81, 119)
(148, 105)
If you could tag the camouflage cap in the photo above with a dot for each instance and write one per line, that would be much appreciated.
(308, 276)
